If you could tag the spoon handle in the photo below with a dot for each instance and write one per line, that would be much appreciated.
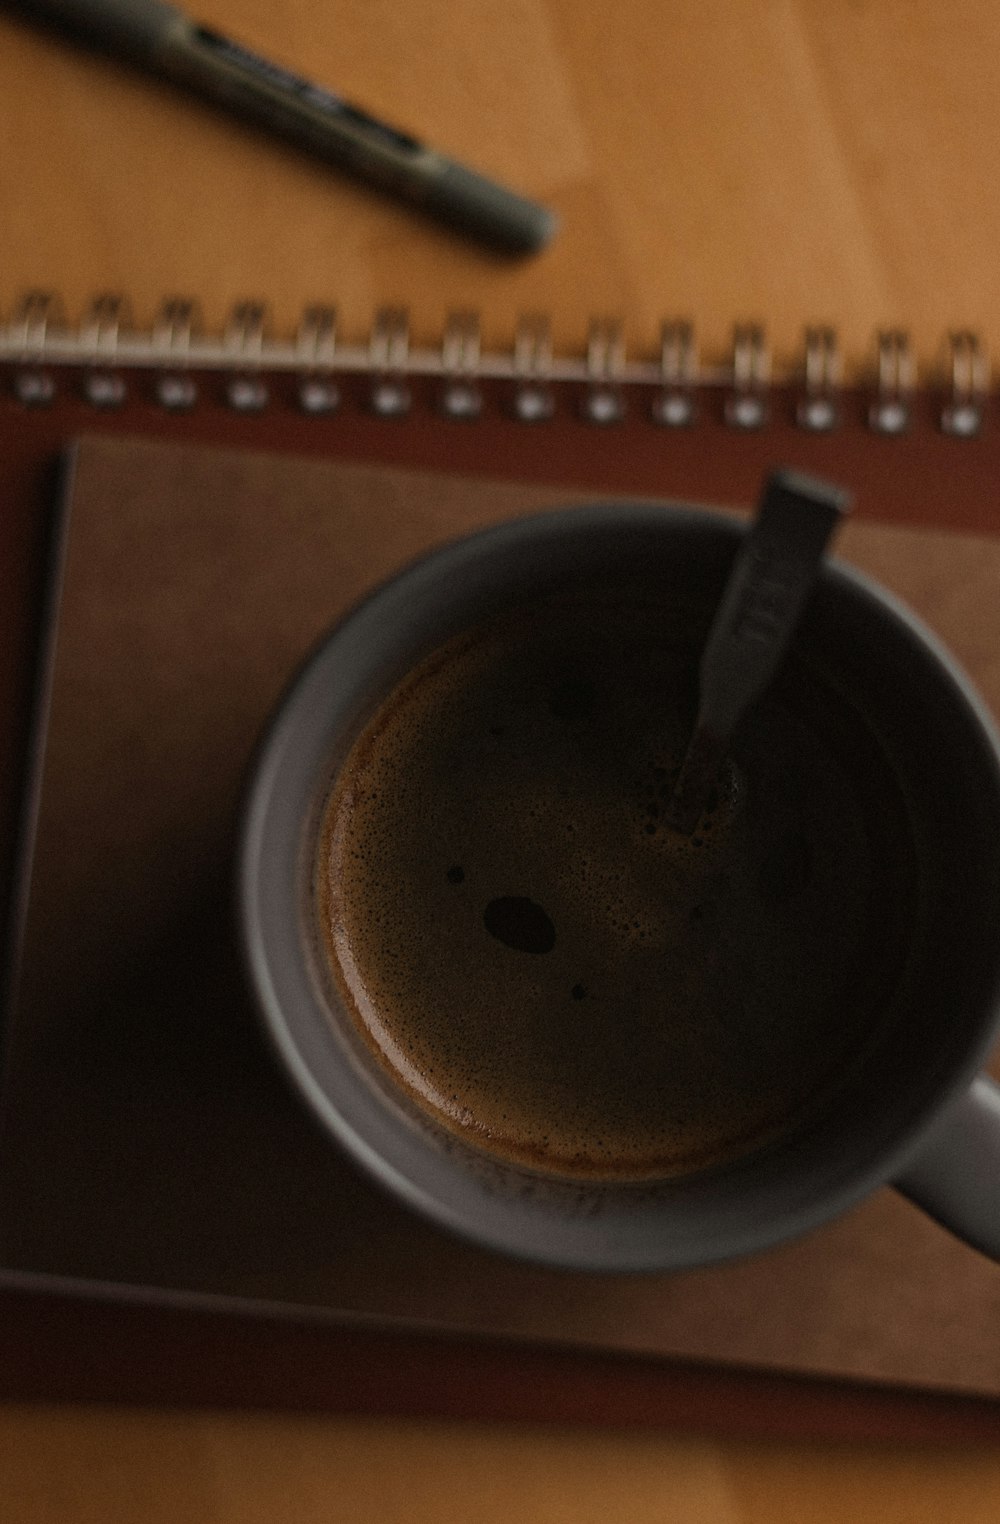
(768, 585)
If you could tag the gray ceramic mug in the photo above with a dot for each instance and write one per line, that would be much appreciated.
(920, 1116)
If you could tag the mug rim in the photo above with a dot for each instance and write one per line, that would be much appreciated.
(298, 1028)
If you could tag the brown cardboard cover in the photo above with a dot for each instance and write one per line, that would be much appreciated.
(151, 1141)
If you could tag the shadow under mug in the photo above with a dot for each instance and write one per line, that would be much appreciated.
(919, 1115)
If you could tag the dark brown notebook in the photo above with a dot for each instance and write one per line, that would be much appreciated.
(149, 1146)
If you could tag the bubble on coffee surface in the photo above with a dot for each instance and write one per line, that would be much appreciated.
(517, 922)
(516, 769)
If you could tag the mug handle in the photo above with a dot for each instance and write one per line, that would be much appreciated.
(956, 1176)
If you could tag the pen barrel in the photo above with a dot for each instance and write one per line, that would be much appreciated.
(379, 155)
(156, 35)
(134, 28)
(488, 211)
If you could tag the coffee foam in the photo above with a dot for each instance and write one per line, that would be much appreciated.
(696, 996)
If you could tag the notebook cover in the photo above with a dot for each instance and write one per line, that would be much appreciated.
(149, 1142)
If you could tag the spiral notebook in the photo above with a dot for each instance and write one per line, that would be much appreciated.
(226, 486)
(664, 424)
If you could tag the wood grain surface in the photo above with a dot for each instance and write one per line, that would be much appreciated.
(828, 160)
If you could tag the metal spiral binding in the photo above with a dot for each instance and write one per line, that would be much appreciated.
(103, 384)
(35, 316)
(316, 343)
(534, 399)
(603, 401)
(177, 326)
(389, 359)
(967, 385)
(746, 407)
(39, 351)
(674, 405)
(461, 395)
(818, 409)
(890, 410)
(246, 389)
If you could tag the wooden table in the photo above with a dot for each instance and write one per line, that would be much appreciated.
(788, 163)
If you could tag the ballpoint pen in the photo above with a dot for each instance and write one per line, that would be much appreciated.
(161, 39)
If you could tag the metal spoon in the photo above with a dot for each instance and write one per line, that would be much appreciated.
(767, 589)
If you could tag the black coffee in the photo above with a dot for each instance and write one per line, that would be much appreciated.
(550, 970)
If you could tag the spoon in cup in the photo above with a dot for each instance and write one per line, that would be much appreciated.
(771, 578)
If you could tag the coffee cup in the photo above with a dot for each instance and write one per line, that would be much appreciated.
(660, 1055)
